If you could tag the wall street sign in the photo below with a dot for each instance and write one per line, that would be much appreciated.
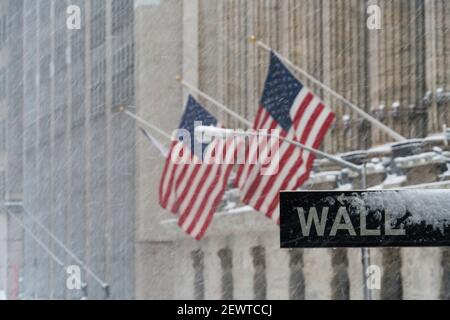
(387, 218)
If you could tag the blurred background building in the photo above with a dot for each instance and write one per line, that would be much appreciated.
(91, 178)
(3, 219)
(69, 159)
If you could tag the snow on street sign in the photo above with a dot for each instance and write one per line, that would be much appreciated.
(387, 218)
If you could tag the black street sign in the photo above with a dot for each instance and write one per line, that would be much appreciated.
(387, 218)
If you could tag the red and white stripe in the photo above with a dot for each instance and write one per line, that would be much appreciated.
(193, 191)
(310, 122)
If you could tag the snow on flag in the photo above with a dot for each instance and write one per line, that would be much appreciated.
(193, 182)
(291, 108)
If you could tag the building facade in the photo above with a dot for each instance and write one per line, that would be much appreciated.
(83, 173)
(3, 104)
(70, 160)
(396, 73)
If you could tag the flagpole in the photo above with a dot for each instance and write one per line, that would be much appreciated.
(224, 132)
(347, 102)
(102, 283)
(161, 148)
(214, 101)
(36, 239)
(144, 122)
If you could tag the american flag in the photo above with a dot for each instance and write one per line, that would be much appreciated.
(158, 145)
(193, 190)
(290, 107)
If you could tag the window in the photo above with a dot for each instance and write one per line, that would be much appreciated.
(44, 13)
(2, 185)
(2, 84)
(122, 15)
(60, 119)
(30, 96)
(45, 69)
(78, 92)
(60, 8)
(98, 89)
(98, 23)
(3, 31)
(123, 68)
(77, 46)
(60, 50)
(44, 130)
(44, 84)
(2, 136)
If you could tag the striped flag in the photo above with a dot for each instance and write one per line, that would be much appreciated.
(158, 145)
(193, 188)
(290, 107)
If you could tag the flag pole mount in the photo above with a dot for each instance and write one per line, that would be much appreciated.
(118, 109)
(125, 110)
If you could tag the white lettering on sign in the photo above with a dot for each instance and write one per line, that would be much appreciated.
(313, 217)
(347, 225)
(342, 221)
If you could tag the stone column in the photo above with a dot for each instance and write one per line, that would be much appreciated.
(159, 51)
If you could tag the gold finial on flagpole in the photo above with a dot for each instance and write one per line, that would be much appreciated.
(178, 77)
(253, 38)
(121, 108)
